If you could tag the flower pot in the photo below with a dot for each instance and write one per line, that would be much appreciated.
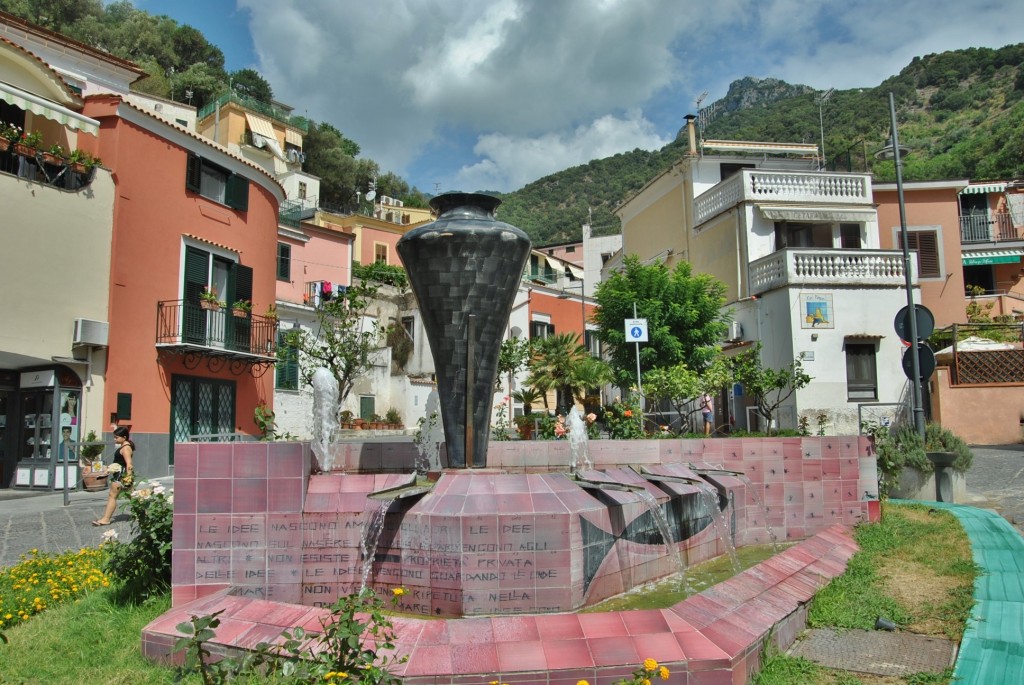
(5, 145)
(52, 159)
(94, 482)
(240, 313)
(209, 306)
(24, 150)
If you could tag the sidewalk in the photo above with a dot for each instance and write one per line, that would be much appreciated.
(40, 520)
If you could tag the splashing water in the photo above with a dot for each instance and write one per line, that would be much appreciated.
(578, 440)
(325, 416)
(373, 524)
(709, 496)
(429, 436)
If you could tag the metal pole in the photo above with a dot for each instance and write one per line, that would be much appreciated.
(470, 380)
(639, 384)
(915, 359)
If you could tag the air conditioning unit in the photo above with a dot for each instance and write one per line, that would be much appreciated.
(735, 331)
(90, 332)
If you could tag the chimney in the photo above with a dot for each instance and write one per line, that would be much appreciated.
(691, 131)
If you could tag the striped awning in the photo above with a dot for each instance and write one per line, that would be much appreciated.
(1004, 256)
(45, 108)
(819, 213)
(983, 189)
(576, 271)
(260, 125)
(293, 137)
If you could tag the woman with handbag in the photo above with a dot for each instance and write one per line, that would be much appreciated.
(118, 478)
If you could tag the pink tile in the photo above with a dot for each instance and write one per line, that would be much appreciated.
(213, 495)
(474, 658)
(521, 656)
(613, 651)
(562, 654)
(285, 495)
(559, 626)
(214, 460)
(600, 625)
(429, 659)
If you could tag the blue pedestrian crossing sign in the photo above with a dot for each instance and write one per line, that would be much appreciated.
(636, 330)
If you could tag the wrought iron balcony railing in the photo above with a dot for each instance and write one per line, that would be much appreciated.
(989, 228)
(215, 331)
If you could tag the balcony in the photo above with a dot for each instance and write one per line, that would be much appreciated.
(217, 335)
(827, 267)
(758, 185)
(34, 165)
(989, 228)
(255, 105)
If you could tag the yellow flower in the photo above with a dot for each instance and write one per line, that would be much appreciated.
(582, 682)
(663, 672)
(398, 592)
(650, 665)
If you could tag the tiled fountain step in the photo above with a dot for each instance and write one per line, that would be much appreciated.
(714, 637)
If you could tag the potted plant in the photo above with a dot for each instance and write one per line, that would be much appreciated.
(524, 424)
(393, 418)
(271, 312)
(80, 161)
(912, 468)
(9, 135)
(345, 418)
(208, 299)
(94, 478)
(28, 142)
(241, 308)
(54, 155)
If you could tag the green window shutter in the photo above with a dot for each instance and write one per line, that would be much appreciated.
(193, 172)
(243, 282)
(236, 194)
(287, 370)
(197, 271)
(284, 262)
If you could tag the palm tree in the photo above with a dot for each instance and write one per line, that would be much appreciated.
(562, 363)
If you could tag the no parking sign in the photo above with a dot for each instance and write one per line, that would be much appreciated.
(636, 330)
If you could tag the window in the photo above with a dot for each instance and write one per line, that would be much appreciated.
(802, 235)
(409, 324)
(849, 236)
(380, 253)
(591, 342)
(861, 374)
(284, 262)
(541, 329)
(216, 183)
(302, 190)
(232, 281)
(926, 245)
(287, 368)
(201, 409)
(727, 170)
(570, 249)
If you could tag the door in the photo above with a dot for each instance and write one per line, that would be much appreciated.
(201, 407)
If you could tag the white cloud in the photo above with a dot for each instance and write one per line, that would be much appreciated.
(510, 162)
(541, 85)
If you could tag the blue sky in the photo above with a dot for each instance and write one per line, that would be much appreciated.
(494, 94)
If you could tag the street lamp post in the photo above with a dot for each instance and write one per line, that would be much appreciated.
(915, 358)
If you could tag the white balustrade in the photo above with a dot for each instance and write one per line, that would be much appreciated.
(823, 267)
(782, 186)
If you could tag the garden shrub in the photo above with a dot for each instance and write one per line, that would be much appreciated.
(142, 567)
(42, 580)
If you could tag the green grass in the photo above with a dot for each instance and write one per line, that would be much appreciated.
(91, 641)
(909, 536)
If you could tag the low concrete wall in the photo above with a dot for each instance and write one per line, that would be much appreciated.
(915, 484)
(980, 414)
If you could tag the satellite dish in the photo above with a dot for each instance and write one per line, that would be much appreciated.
(370, 195)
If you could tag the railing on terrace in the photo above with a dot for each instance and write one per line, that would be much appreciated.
(180, 323)
(782, 186)
(36, 167)
(542, 275)
(821, 267)
(292, 212)
(255, 105)
(989, 228)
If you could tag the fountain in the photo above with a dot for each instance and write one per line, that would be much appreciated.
(325, 415)
(498, 558)
(578, 440)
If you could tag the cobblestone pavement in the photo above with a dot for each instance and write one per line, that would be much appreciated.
(996, 481)
(30, 520)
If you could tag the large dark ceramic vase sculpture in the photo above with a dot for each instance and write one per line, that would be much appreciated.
(465, 269)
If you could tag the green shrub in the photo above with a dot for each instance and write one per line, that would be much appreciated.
(142, 568)
(939, 439)
(623, 421)
(42, 580)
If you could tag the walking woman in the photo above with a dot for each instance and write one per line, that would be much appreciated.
(123, 458)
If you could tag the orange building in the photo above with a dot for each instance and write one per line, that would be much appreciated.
(194, 232)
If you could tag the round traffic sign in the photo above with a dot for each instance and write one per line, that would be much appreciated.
(925, 361)
(925, 322)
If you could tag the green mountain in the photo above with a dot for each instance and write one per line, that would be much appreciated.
(960, 112)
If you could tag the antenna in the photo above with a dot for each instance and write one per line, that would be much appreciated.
(700, 99)
(372, 192)
(705, 115)
(822, 99)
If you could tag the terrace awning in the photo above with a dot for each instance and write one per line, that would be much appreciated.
(984, 188)
(1005, 256)
(50, 110)
(816, 213)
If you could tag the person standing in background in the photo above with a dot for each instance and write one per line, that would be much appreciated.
(707, 410)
